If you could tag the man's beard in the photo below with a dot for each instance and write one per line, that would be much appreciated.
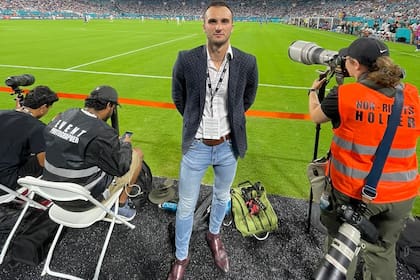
(108, 116)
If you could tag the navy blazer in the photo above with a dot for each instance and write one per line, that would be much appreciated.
(189, 77)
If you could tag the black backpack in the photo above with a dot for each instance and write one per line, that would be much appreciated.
(31, 244)
(201, 220)
(408, 246)
(145, 179)
(145, 182)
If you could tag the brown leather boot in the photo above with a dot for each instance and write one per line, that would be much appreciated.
(219, 254)
(178, 269)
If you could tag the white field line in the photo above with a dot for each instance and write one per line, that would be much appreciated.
(123, 74)
(130, 52)
(84, 71)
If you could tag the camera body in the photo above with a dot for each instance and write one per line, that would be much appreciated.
(355, 218)
(310, 53)
(347, 244)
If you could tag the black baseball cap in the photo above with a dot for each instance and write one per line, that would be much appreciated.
(104, 93)
(365, 50)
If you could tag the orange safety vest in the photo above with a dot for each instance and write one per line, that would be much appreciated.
(364, 114)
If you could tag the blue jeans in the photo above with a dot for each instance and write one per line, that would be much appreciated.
(194, 165)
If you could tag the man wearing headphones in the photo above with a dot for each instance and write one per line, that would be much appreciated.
(22, 151)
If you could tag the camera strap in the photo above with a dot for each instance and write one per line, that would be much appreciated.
(372, 179)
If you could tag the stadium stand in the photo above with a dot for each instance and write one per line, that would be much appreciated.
(404, 11)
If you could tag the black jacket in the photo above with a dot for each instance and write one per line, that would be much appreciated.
(189, 93)
(83, 149)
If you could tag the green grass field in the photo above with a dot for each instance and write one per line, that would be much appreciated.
(137, 58)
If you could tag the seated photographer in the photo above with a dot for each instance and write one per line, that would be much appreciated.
(22, 151)
(359, 114)
(82, 148)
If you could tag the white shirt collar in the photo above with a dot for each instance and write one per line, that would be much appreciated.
(229, 52)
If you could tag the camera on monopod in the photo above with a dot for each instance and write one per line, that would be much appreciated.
(309, 53)
(15, 82)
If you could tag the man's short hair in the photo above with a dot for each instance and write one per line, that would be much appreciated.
(217, 4)
(39, 96)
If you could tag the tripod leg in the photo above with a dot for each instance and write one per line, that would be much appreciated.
(311, 196)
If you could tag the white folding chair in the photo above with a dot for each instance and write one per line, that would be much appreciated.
(27, 201)
(62, 191)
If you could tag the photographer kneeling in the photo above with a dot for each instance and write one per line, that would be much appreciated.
(359, 114)
(22, 151)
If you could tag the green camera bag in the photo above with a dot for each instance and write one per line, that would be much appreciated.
(258, 221)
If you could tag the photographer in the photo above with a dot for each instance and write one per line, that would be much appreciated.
(23, 146)
(359, 112)
(82, 148)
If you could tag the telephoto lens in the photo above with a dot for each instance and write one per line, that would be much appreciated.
(310, 53)
(22, 80)
(342, 250)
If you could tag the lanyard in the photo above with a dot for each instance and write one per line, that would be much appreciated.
(219, 83)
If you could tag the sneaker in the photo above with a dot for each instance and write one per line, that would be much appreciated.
(127, 211)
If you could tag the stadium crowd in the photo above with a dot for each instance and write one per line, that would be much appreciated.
(376, 18)
(405, 10)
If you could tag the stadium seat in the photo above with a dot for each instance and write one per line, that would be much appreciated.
(63, 191)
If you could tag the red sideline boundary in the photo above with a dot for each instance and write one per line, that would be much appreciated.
(165, 105)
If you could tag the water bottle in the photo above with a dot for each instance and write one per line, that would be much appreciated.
(228, 214)
(168, 206)
(324, 201)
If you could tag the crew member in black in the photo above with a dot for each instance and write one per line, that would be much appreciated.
(22, 151)
(82, 148)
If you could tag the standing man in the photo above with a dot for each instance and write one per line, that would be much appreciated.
(22, 151)
(82, 148)
(213, 86)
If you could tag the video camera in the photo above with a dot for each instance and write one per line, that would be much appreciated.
(310, 53)
(347, 243)
(17, 81)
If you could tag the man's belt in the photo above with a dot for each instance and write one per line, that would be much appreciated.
(215, 142)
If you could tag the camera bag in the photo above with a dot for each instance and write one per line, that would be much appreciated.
(320, 183)
(316, 172)
(31, 245)
(252, 212)
(408, 246)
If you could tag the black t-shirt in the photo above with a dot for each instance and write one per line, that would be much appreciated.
(21, 137)
(329, 104)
